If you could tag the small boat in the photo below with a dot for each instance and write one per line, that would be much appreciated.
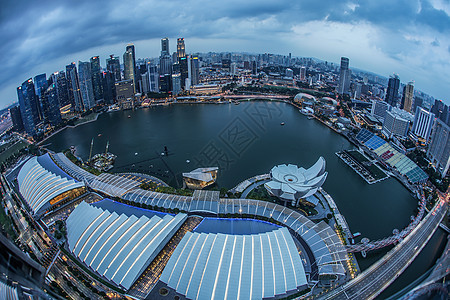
(135, 153)
(99, 135)
(129, 116)
(188, 161)
(282, 123)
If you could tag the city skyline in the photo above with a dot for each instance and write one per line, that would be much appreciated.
(403, 37)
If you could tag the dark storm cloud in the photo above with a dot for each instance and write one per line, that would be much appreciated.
(34, 32)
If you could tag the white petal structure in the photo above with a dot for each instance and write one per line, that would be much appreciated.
(291, 183)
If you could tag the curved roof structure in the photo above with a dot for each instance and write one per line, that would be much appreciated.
(253, 266)
(118, 247)
(290, 182)
(40, 180)
(301, 96)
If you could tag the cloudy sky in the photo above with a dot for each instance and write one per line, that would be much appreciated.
(408, 37)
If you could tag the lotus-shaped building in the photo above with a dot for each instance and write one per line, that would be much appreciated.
(292, 183)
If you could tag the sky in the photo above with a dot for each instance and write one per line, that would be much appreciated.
(407, 37)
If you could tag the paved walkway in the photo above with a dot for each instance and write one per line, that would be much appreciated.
(252, 187)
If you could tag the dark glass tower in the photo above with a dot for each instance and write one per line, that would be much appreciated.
(16, 118)
(96, 78)
(28, 104)
(392, 90)
(73, 85)
(86, 89)
(113, 66)
(50, 105)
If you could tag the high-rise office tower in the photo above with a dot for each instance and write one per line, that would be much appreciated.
(184, 70)
(40, 82)
(344, 76)
(113, 66)
(181, 52)
(439, 150)
(131, 48)
(195, 70)
(128, 66)
(145, 83)
(165, 46)
(86, 89)
(423, 123)
(176, 84)
(74, 87)
(28, 104)
(165, 60)
(407, 97)
(418, 102)
(153, 77)
(302, 73)
(165, 83)
(233, 68)
(392, 90)
(16, 118)
(40, 85)
(109, 88)
(61, 89)
(50, 105)
(97, 78)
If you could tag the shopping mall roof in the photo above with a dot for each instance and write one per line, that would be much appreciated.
(222, 266)
(40, 180)
(118, 247)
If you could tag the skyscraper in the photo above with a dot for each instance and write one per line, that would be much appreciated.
(74, 87)
(131, 48)
(195, 70)
(40, 82)
(16, 118)
(392, 90)
(109, 89)
(28, 106)
(423, 122)
(50, 105)
(40, 85)
(96, 78)
(153, 77)
(439, 150)
(165, 46)
(86, 89)
(181, 52)
(113, 65)
(407, 97)
(184, 70)
(128, 66)
(61, 88)
(418, 102)
(344, 76)
(165, 60)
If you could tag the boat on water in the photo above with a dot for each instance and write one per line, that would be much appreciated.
(282, 123)
(129, 116)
